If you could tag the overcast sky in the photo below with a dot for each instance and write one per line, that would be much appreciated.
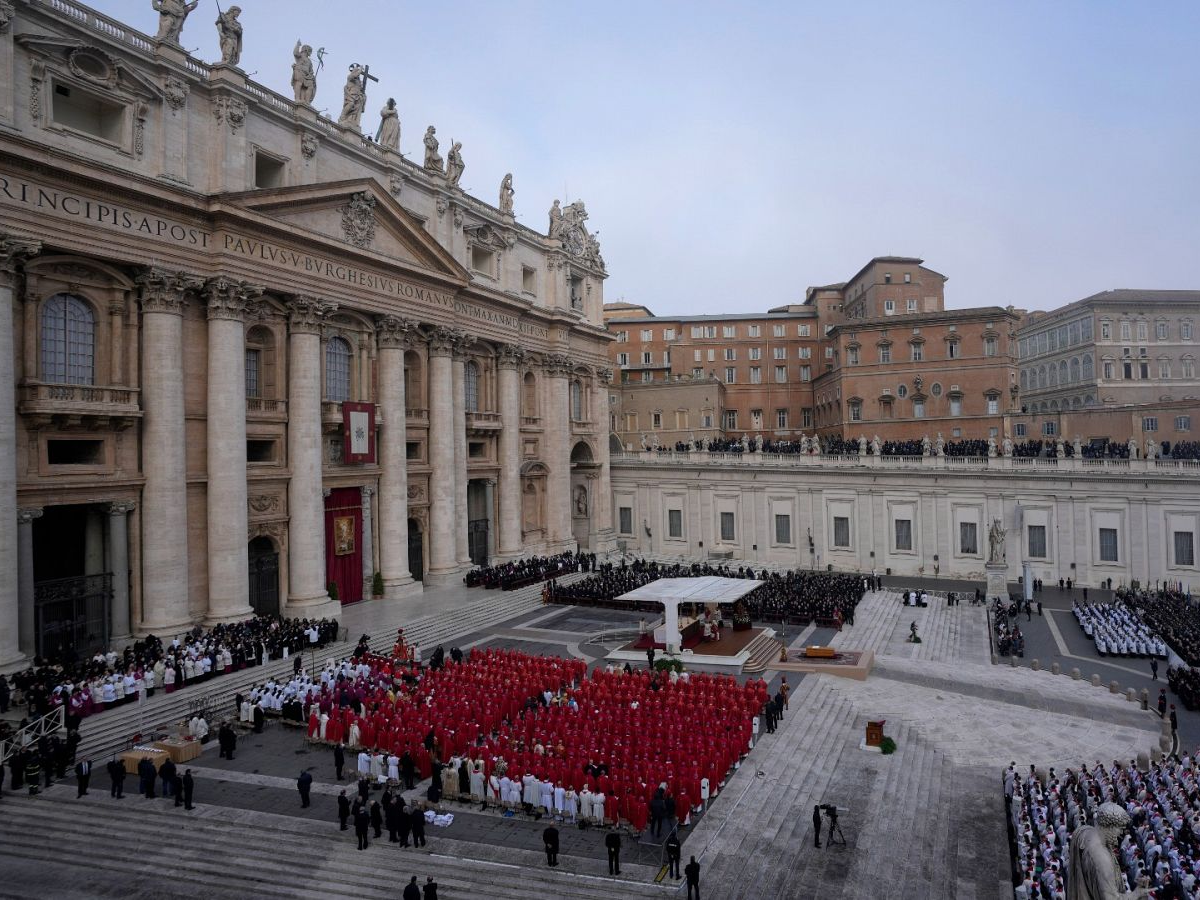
(731, 154)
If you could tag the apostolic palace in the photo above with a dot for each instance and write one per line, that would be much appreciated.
(258, 355)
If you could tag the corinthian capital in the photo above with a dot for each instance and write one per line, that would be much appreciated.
(166, 292)
(445, 341)
(15, 250)
(510, 356)
(307, 314)
(605, 375)
(558, 365)
(228, 298)
(396, 332)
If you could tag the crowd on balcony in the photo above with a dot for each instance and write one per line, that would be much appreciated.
(1161, 843)
(519, 573)
(792, 596)
(108, 679)
(1118, 630)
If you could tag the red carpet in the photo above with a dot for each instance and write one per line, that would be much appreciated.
(645, 640)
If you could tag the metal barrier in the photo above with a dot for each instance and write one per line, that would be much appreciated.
(45, 726)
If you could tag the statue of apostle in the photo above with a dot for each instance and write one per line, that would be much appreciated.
(1092, 872)
(556, 221)
(354, 97)
(229, 30)
(304, 76)
(454, 164)
(171, 16)
(388, 134)
(433, 159)
(506, 195)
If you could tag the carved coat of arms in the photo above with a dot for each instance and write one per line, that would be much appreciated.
(358, 220)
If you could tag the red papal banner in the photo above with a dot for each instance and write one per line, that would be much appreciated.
(358, 432)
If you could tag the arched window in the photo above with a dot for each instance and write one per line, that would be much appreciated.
(1074, 369)
(68, 341)
(1088, 367)
(576, 402)
(1024, 379)
(471, 386)
(414, 390)
(529, 398)
(1062, 371)
(337, 370)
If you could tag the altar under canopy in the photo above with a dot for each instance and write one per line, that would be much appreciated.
(671, 592)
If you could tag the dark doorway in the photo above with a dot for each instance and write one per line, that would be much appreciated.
(264, 577)
(416, 551)
(72, 591)
(477, 541)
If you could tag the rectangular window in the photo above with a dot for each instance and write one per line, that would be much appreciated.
(1108, 369)
(647, 376)
(852, 356)
(1150, 423)
(968, 538)
(727, 529)
(904, 534)
(885, 409)
(1128, 370)
(754, 330)
(841, 531)
(1105, 331)
(889, 307)
(885, 354)
(804, 330)
(780, 374)
(993, 406)
(647, 335)
(698, 372)
(952, 350)
(1037, 541)
(806, 417)
(730, 375)
(806, 352)
(712, 354)
(668, 334)
(778, 330)
(783, 529)
(1183, 423)
(1142, 331)
(1161, 331)
(728, 331)
(625, 519)
(918, 352)
(706, 420)
(911, 305)
(1164, 368)
(675, 523)
(756, 375)
(1126, 331)
(1185, 330)
(990, 346)
(1049, 429)
(1020, 429)
(656, 420)
(806, 373)
(89, 113)
(252, 388)
(647, 358)
(1185, 553)
(696, 355)
(622, 359)
(528, 280)
(779, 352)
(956, 406)
(730, 354)
(918, 409)
(1143, 370)
(755, 353)
(731, 420)
(1108, 545)
(697, 331)
(829, 353)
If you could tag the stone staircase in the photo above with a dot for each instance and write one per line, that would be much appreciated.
(113, 729)
(764, 650)
(875, 619)
(948, 633)
(152, 850)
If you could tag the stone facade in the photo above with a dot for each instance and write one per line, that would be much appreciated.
(1113, 348)
(196, 275)
(667, 412)
(1089, 520)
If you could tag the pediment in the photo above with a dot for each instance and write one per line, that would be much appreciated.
(359, 214)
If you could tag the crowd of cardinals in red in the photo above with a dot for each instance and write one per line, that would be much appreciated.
(621, 734)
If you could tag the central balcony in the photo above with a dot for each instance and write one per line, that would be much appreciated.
(79, 407)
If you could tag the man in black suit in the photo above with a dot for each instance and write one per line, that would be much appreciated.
(189, 787)
(674, 848)
(83, 774)
(304, 785)
(116, 774)
(362, 824)
(167, 773)
(416, 820)
(692, 872)
(343, 809)
(816, 826)
(339, 760)
(550, 839)
(613, 843)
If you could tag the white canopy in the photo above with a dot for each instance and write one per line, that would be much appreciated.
(670, 592)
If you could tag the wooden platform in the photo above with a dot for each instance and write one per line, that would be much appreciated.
(731, 643)
(854, 664)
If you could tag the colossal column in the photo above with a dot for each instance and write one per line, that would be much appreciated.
(165, 605)
(24, 567)
(461, 548)
(395, 335)
(307, 594)
(509, 538)
(557, 454)
(118, 564)
(602, 496)
(228, 578)
(12, 252)
(443, 550)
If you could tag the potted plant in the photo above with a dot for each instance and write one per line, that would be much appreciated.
(333, 591)
(741, 617)
(377, 586)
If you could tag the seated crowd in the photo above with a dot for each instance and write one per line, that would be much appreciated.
(1184, 681)
(523, 572)
(1118, 630)
(791, 596)
(537, 733)
(1170, 614)
(1162, 844)
(109, 679)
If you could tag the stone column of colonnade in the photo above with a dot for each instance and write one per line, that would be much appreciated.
(443, 550)
(461, 547)
(307, 593)
(13, 251)
(557, 453)
(118, 564)
(395, 335)
(602, 501)
(228, 572)
(509, 538)
(165, 607)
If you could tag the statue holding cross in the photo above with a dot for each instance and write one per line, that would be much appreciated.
(354, 95)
